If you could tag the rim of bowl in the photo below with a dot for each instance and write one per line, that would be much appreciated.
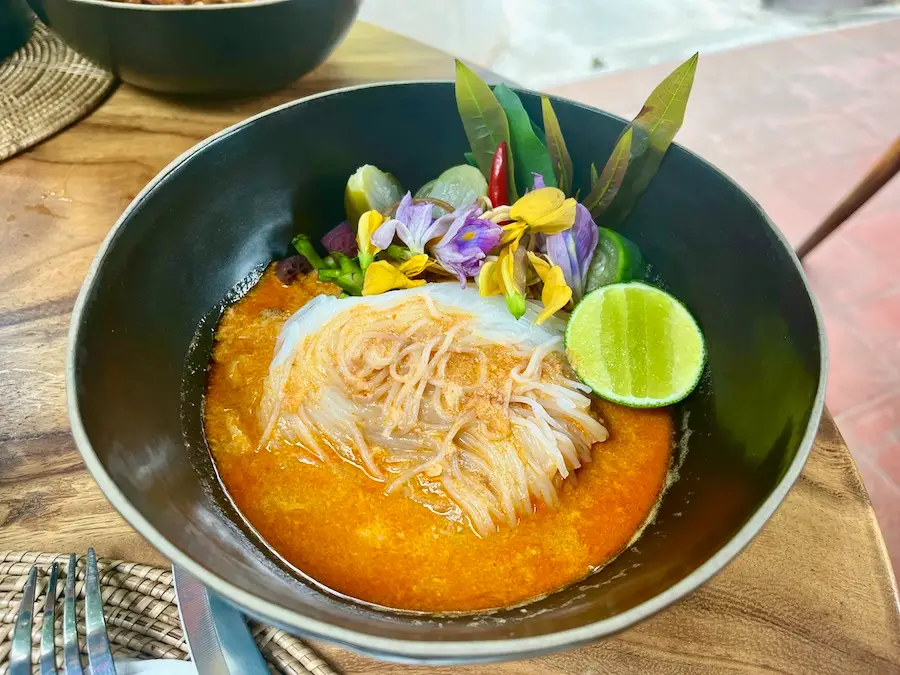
(459, 651)
(229, 4)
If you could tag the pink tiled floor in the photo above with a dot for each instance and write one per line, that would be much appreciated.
(797, 123)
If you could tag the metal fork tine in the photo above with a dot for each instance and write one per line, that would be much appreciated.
(99, 655)
(70, 634)
(20, 651)
(48, 648)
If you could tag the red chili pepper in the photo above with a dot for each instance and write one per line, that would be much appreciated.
(498, 185)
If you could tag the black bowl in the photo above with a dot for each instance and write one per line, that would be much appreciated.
(232, 203)
(222, 49)
(16, 21)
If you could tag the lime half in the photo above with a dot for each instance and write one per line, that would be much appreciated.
(635, 345)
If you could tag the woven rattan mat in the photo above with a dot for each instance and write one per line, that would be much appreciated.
(140, 610)
(44, 87)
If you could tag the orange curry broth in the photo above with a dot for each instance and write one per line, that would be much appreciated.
(336, 525)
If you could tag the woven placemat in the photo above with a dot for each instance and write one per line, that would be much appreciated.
(140, 610)
(45, 86)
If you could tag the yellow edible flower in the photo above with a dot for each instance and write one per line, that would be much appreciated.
(505, 275)
(556, 293)
(415, 265)
(488, 279)
(382, 276)
(542, 211)
(512, 232)
(368, 223)
(545, 210)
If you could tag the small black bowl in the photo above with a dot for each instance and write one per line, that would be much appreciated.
(221, 49)
(16, 21)
(137, 363)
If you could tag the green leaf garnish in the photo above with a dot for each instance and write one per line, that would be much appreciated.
(653, 130)
(530, 155)
(483, 118)
(542, 137)
(605, 187)
(593, 173)
(556, 146)
(470, 159)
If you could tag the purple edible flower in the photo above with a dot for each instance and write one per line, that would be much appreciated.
(412, 224)
(573, 249)
(538, 181)
(466, 243)
(341, 239)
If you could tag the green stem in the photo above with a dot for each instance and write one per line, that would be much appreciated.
(305, 248)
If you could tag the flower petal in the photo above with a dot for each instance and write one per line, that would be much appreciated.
(512, 232)
(556, 293)
(368, 223)
(573, 249)
(537, 204)
(465, 245)
(384, 235)
(415, 265)
(381, 277)
(414, 225)
(513, 269)
(489, 279)
(538, 181)
(403, 208)
(415, 231)
(557, 220)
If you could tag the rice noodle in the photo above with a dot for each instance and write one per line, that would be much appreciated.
(436, 392)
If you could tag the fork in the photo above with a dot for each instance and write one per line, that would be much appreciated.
(99, 655)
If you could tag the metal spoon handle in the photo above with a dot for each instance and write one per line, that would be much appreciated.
(218, 639)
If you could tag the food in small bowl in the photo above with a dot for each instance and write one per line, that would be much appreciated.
(228, 48)
(510, 404)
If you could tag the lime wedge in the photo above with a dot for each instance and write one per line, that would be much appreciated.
(616, 260)
(635, 345)
(370, 188)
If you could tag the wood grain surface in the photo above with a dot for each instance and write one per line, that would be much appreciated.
(813, 593)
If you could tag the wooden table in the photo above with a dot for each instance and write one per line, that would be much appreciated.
(813, 593)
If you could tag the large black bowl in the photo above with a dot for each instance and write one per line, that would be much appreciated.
(224, 49)
(233, 202)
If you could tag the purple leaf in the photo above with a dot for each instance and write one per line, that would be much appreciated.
(288, 269)
(342, 239)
